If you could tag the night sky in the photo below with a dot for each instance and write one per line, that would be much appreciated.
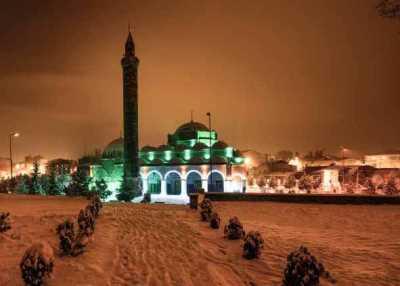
(285, 74)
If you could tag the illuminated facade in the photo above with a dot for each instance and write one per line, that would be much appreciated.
(170, 172)
(22, 168)
(384, 160)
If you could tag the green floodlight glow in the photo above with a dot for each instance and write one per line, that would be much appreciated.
(207, 154)
(238, 160)
(229, 152)
(167, 155)
(187, 154)
(206, 134)
(150, 155)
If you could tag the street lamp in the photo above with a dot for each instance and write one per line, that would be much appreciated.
(210, 149)
(343, 149)
(12, 135)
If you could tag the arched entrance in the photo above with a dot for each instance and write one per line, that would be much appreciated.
(215, 182)
(193, 182)
(174, 184)
(154, 183)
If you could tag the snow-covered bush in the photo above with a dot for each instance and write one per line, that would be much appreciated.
(215, 220)
(303, 269)
(4, 222)
(234, 229)
(206, 210)
(66, 235)
(37, 264)
(253, 243)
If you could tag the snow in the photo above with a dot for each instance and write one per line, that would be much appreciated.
(162, 244)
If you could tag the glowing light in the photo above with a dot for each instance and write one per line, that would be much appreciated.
(187, 154)
(207, 154)
(247, 161)
(229, 152)
(297, 163)
(330, 180)
(150, 155)
(167, 155)
(238, 160)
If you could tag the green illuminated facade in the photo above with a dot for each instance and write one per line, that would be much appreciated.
(187, 149)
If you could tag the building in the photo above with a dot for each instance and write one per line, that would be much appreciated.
(384, 160)
(24, 167)
(4, 168)
(171, 172)
(193, 157)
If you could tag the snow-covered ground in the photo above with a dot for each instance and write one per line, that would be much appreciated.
(167, 244)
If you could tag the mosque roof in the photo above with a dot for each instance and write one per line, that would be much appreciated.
(176, 161)
(220, 145)
(148, 148)
(115, 148)
(191, 126)
(188, 130)
(199, 146)
(196, 161)
(219, 160)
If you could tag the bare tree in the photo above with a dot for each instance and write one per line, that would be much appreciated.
(389, 9)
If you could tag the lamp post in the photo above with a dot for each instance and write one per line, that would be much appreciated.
(210, 149)
(343, 149)
(12, 135)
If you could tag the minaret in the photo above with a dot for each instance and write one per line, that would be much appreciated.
(130, 64)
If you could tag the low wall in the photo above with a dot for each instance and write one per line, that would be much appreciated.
(306, 198)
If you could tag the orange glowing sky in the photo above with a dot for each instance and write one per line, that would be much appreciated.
(276, 75)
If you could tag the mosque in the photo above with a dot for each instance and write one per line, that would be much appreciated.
(193, 157)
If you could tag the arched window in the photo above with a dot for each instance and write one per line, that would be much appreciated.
(193, 182)
(215, 182)
(173, 184)
(154, 183)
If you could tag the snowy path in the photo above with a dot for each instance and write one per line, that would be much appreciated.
(157, 248)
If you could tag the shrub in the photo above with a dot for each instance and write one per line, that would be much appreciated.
(215, 220)
(234, 229)
(66, 234)
(303, 269)
(86, 221)
(253, 243)
(206, 209)
(37, 264)
(4, 222)
(80, 242)
(146, 198)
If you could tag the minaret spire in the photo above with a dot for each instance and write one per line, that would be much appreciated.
(129, 44)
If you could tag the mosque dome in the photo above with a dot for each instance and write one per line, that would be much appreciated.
(220, 145)
(114, 149)
(189, 129)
